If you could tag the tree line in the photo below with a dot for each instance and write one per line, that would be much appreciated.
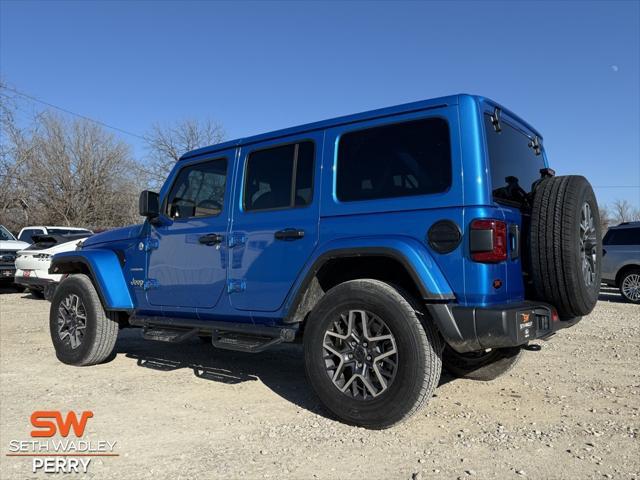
(618, 212)
(74, 172)
(58, 171)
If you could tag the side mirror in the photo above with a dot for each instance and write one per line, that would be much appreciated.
(149, 204)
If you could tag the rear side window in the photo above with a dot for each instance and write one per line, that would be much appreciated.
(198, 190)
(279, 177)
(622, 236)
(403, 159)
(513, 162)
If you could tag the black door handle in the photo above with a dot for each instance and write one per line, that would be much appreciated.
(210, 239)
(289, 234)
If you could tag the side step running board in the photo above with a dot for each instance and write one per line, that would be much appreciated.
(171, 335)
(242, 337)
(242, 342)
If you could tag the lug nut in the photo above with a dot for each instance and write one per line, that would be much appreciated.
(364, 344)
(351, 355)
(368, 357)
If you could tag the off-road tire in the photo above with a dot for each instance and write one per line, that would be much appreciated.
(483, 366)
(101, 331)
(634, 275)
(556, 263)
(419, 348)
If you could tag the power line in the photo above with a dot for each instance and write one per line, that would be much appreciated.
(49, 104)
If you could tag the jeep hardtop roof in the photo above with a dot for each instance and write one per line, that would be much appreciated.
(356, 117)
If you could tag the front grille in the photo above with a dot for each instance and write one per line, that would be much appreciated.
(7, 257)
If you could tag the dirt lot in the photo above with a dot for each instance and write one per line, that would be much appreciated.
(571, 410)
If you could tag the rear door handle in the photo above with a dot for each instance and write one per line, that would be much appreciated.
(210, 239)
(289, 234)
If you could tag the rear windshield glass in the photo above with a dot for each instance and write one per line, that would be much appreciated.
(513, 163)
(622, 236)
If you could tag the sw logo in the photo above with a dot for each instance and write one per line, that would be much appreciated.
(48, 423)
(57, 445)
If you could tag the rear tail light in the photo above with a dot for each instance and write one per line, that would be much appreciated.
(488, 241)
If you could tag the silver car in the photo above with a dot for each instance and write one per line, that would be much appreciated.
(621, 259)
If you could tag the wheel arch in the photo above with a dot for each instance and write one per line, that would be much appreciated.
(395, 262)
(104, 269)
(624, 270)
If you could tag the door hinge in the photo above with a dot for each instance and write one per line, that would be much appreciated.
(236, 286)
(150, 284)
(235, 239)
(149, 244)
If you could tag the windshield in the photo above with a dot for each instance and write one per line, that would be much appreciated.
(6, 234)
(514, 164)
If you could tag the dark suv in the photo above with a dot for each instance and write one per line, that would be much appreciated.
(392, 242)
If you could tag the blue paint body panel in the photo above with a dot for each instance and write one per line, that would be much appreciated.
(249, 277)
(107, 274)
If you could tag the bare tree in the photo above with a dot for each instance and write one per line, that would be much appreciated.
(70, 173)
(605, 218)
(623, 211)
(167, 143)
(13, 158)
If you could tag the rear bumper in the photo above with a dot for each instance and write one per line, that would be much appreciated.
(33, 281)
(468, 329)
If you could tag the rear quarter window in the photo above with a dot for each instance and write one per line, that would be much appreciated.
(403, 159)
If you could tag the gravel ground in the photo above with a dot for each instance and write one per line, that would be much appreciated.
(571, 410)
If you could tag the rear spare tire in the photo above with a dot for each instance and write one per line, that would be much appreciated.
(566, 245)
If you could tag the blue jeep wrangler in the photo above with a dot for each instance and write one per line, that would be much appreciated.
(393, 243)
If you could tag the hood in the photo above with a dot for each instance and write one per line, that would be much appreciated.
(58, 248)
(116, 234)
(13, 245)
